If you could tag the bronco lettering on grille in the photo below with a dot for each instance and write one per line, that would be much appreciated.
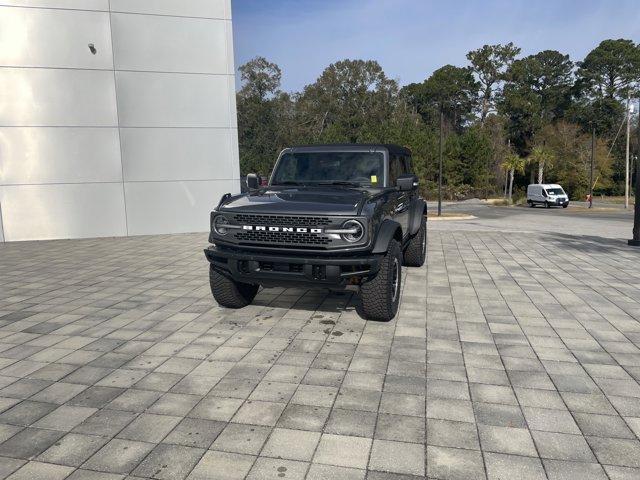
(261, 228)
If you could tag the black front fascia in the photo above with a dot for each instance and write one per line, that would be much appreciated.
(275, 269)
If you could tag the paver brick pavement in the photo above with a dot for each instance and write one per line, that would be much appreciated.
(512, 356)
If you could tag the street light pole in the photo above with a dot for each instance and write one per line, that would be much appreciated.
(626, 177)
(440, 164)
(635, 241)
(506, 171)
(593, 161)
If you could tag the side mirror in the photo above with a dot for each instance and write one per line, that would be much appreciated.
(406, 182)
(253, 181)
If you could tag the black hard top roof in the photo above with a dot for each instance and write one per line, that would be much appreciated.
(331, 147)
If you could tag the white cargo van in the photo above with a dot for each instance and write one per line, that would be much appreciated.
(547, 194)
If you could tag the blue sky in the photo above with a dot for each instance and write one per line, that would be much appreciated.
(411, 38)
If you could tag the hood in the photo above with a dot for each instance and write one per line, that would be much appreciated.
(298, 201)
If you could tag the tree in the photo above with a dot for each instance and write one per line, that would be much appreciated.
(571, 148)
(611, 70)
(405, 127)
(608, 74)
(474, 158)
(260, 78)
(542, 156)
(537, 92)
(263, 115)
(489, 63)
(495, 129)
(452, 89)
(513, 163)
(349, 97)
(494, 109)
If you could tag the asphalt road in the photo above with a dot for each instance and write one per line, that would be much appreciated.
(612, 223)
(505, 212)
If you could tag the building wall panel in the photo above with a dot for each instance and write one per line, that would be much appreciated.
(173, 100)
(169, 44)
(180, 207)
(235, 152)
(160, 154)
(41, 212)
(233, 117)
(56, 97)
(64, 4)
(229, 46)
(35, 37)
(186, 8)
(59, 155)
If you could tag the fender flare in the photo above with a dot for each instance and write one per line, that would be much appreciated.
(417, 211)
(388, 230)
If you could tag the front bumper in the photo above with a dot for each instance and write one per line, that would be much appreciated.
(292, 270)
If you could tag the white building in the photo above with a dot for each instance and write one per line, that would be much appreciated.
(117, 117)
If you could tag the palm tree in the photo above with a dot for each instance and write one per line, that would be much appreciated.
(513, 163)
(543, 157)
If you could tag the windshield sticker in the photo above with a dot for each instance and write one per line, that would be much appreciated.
(374, 179)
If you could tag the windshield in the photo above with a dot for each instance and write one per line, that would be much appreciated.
(319, 168)
(555, 191)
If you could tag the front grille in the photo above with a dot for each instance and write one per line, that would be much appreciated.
(283, 238)
(281, 220)
(292, 239)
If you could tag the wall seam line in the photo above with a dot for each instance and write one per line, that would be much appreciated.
(126, 70)
(115, 89)
(116, 126)
(93, 10)
(231, 99)
(109, 182)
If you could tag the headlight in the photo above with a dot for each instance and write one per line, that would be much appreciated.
(353, 231)
(219, 224)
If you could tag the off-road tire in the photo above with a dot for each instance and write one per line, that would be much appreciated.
(229, 293)
(416, 251)
(377, 300)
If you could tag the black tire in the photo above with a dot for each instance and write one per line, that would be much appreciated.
(547, 204)
(530, 203)
(229, 293)
(380, 296)
(416, 251)
(565, 205)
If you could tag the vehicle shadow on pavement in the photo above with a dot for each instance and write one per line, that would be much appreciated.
(310, 300)
(590, 243)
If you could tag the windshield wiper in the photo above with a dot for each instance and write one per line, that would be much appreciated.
(287, 182)
(341, 182)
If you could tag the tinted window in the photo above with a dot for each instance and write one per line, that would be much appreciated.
(395, 169)
(363, 168)
(408, 167)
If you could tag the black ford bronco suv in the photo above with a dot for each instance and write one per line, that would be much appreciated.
(341, 217)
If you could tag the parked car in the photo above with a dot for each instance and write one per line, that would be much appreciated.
(547, 194)
(340, 217)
